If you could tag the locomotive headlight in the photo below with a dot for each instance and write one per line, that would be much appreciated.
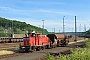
(23, 47)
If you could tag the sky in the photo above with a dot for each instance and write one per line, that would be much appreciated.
(51, 11)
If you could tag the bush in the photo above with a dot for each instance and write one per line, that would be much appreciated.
(78, 54)
(3, 35)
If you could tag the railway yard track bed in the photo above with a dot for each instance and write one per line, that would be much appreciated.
(34, 55)
(39, 55)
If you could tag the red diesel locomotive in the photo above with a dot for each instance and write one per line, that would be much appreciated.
(36, 41)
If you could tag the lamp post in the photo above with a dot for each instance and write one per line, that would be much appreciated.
(80, 30)
(12, 29)
(84, 28)
(43, 27)
(63, 24)
(54, 30)
(75, 29)
(69, 29)
(59, 31)
(72, 29)
(39, 26)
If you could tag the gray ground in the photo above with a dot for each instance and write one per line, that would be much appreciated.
(35, 55)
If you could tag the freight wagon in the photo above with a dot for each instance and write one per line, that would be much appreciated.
(12, 38)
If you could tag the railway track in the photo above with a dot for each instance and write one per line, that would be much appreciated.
(51, 51)
(9, 46)
(35, 54)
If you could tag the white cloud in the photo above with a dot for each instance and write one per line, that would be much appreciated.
(28, 12)
(28, 2)
(10, 10)
(54, 12)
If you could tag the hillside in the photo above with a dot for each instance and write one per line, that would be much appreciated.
(12, 26)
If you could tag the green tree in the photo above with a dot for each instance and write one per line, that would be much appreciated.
(18, 27)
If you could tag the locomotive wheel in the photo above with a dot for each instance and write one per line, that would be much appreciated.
(55, 46)
(49, 46)
(38, 48)
(43, 47)
(26, 50)
(62, 45)
(33, 49)
(58, 43)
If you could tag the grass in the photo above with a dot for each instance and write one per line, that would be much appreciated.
(77, 54)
